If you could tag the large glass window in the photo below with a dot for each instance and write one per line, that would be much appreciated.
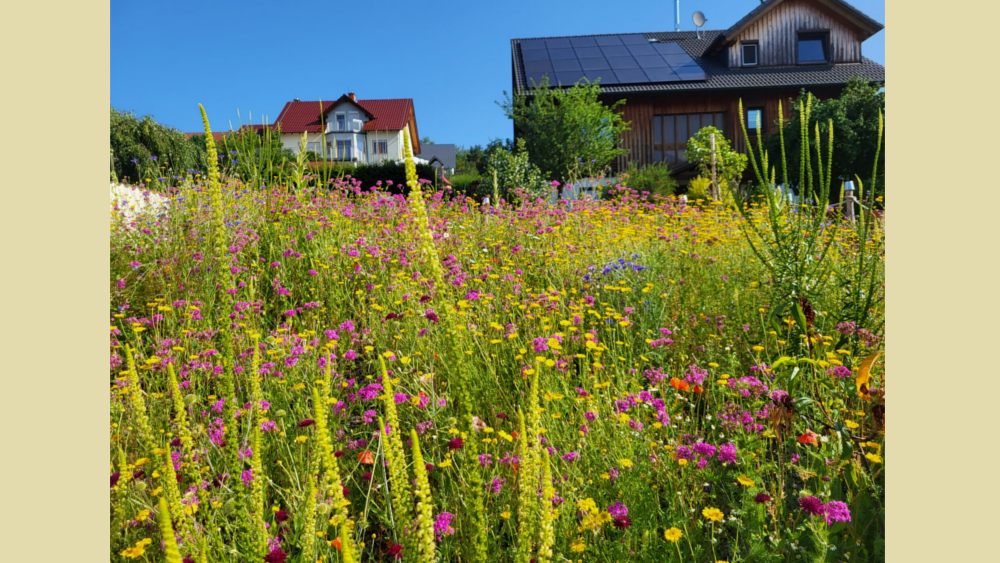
(671, 134)
(812, 48)
(755, 116)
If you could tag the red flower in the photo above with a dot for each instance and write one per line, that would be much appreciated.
(698, 388)
(679, 384)
(395, 550)
(307, 422)
(336, 543)
(366, 457)
(809, 438)
(455, 444)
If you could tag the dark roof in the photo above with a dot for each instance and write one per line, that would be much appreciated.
(719, 75)
(860, 19)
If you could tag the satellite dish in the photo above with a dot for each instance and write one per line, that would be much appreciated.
(699, 20)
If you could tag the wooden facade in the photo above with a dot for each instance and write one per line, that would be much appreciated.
(640, 110)
(776, 34)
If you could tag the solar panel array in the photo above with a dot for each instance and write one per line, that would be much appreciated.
(615, 59)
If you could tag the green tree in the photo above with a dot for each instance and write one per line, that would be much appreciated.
(143, 148)
(426, 141)
(855, 116)
(513, 170)
(562, 125)
(729, 164)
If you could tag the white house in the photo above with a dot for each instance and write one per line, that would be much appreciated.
(362, 131)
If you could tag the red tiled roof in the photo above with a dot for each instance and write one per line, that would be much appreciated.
(388, 115)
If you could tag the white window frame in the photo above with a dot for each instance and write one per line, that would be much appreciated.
(743, 59)
(337, 117)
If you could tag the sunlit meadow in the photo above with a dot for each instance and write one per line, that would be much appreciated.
(323, 371)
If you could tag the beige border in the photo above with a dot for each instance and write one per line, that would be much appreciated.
(54, 64)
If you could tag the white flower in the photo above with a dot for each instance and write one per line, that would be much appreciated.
(129, 204)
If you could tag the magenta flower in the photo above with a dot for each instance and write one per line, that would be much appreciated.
(812, 505)
(836, 511)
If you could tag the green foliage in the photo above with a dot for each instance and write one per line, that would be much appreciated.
(139, 140)
(698, 189)
(561, 125)
(654, 178)
(253, 156)
(369, 175)
(855, 117)
(473, 159)
(729, 164)
(513, 170)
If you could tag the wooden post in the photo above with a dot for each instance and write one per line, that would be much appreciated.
(849, 200)
(715, 185)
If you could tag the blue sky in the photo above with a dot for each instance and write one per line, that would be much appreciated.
(452, 57)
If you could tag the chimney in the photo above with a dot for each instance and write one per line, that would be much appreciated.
(296, 99)
(352, 96)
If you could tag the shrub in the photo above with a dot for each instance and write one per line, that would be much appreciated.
(698, 189)
(513, 170)
(143, 148)
(729, 164)
(655, 179)
(371, 174)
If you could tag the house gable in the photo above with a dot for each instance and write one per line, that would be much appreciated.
(775, 27)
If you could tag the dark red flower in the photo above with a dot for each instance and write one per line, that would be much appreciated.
(812, 505)
(429, 467)
(622, 522)
(761, 498)
(455, 443)
(277, 555)
(187, 560)
(367, 476)
(138, 474)
(431, 315)
(175, 442)
(307, 422)
(395, 550)
(114, 478)
(281, 516)
(338, 453)
(424, 299)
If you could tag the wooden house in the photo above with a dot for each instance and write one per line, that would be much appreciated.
(674, 83)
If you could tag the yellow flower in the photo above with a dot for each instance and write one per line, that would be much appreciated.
(301, 439)
(577, 545)
(586, 505)
(682, 462)
(445, 463)
(626, 463)
(851, 424)
(505, 514)
(673, 535)
(745, 481)
(874, 458)
(137, 550)
(713, 514)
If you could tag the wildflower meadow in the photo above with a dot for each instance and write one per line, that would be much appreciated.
(313, 369)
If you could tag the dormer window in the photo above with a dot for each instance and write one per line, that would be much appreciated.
(812, 48)
(749, 53)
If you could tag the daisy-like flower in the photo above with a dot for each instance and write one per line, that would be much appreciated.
(712, 514)
(673, 535)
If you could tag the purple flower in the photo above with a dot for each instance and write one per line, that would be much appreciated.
(247, 477)
(707, 450)
(727, 453)
(540, 344)
(571, 456)
(812, 505)
(836, 511)
(618, 509)
(839, 371)
(497, 485)
(442, 525)
(485, 459)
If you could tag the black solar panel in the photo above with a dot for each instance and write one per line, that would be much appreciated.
(588, 52)
(634, 39)
(560, 65)
(609, 59)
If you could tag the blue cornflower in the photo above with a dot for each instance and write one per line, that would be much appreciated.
(152, 157)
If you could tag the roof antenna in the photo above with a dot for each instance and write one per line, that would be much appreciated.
(678, 4)
(699, 20)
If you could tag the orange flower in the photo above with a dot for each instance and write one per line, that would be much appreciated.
(366, 457)
(336, 543)
(809, 438)
(698, 388)
(679, 384)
